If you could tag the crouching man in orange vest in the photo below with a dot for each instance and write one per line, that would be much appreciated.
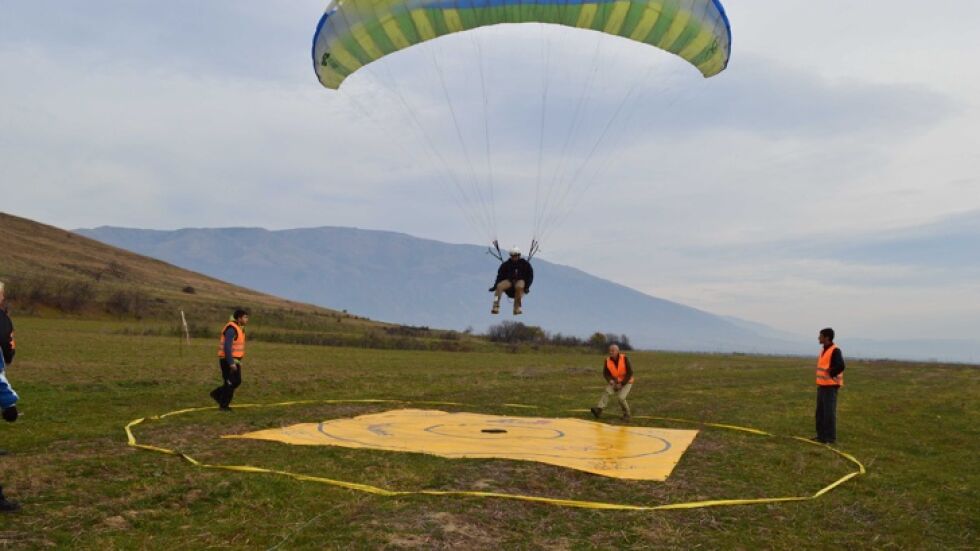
(231, 350)
(619, 378)
(830, 377)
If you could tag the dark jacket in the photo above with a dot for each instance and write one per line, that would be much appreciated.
(6, 337)
(629, 371)
(230, 335)
(515, 270)
(836, 362)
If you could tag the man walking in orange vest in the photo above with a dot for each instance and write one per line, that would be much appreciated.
(619, 380)
(231, 350)
(830, 377)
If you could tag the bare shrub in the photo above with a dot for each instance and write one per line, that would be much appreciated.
(515, 332)
(125, 303)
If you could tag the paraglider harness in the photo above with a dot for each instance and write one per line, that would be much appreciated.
(495, 252)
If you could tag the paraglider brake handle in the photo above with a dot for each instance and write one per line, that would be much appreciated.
(495, 251)
(533, 249)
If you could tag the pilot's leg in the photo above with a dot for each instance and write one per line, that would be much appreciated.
(501, 288)
(518, 296)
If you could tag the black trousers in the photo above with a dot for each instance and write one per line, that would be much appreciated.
(827, 413)
(230, 380)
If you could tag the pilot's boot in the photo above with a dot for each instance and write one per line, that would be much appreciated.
(496, 306)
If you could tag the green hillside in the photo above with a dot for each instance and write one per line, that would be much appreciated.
(55, 273)
(48, 268)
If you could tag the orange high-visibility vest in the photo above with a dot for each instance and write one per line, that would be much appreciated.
(618, 369)
(237, 346)
(823, 369)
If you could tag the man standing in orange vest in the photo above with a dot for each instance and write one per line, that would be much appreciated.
(830, 377)
(619, 380)
(231, 350)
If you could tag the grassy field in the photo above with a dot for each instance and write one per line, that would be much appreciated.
(915, 427)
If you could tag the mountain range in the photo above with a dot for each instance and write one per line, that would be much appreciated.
(408, 280)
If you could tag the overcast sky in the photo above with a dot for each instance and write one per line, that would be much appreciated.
(831, 176)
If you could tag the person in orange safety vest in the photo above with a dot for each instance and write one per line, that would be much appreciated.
(231, 351)
(830, 378)
(619, 381)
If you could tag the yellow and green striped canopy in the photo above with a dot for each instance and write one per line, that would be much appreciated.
(353, 33)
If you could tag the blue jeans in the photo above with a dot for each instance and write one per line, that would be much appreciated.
(7, 395)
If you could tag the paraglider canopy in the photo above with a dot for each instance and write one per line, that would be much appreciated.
(353, 33)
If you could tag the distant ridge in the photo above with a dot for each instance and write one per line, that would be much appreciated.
(403, 279)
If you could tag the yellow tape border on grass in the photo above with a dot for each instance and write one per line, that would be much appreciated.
(375, 490)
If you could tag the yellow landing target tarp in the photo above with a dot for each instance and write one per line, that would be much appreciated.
(636, 453)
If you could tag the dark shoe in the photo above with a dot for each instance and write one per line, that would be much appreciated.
(626, 417)
(224, 408)
(7, 506)
(596, 412)
(495, 309)
(214, 396)
(818, 440)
